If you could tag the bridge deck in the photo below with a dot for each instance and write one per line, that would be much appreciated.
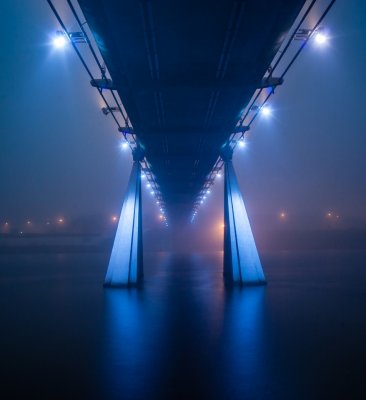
(184, 71)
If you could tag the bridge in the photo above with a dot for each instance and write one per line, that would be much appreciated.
(184, 82)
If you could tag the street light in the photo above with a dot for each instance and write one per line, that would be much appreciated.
(60, 40)
(320, 37)
(241, 143)
(265, 110)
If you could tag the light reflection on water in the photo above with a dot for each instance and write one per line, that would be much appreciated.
(183, 334)
(243, 341)
(128, 343)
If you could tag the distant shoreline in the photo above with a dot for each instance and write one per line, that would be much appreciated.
(270, 240)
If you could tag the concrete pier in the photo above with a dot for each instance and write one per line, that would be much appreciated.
(241, 260)
(126, 261)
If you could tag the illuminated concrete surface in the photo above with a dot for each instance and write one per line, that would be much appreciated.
(241, 260)
(125, 264)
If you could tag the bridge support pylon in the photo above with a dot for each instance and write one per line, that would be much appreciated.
(125, 267)
(241, 260)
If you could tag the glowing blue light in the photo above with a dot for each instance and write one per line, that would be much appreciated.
(143, 176)
(208, 191)
(152, 192)
(241, 143)
(148, 185)
(320, 38)
(59, 41)
(218, 175)
(266, 111)
(124, 145)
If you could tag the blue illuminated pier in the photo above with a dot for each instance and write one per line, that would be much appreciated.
(125, 264)
(241, 260)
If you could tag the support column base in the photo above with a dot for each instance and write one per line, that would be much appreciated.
(125, 268)
(242, 265)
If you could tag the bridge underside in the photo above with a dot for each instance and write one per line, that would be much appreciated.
(184, 71)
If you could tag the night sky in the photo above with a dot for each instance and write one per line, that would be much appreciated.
(60, 156)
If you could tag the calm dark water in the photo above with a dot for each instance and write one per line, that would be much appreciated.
(183, 335)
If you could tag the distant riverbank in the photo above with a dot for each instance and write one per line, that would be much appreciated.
(270, 240)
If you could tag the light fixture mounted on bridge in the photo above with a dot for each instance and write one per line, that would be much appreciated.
(126, 130)
(107, 110)
(78, 37)
(103, 83)
(270, 81)
(303, 34)
(62, 38)
(319, 35)
(241, 129)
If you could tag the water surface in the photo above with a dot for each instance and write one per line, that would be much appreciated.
(183, 335)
